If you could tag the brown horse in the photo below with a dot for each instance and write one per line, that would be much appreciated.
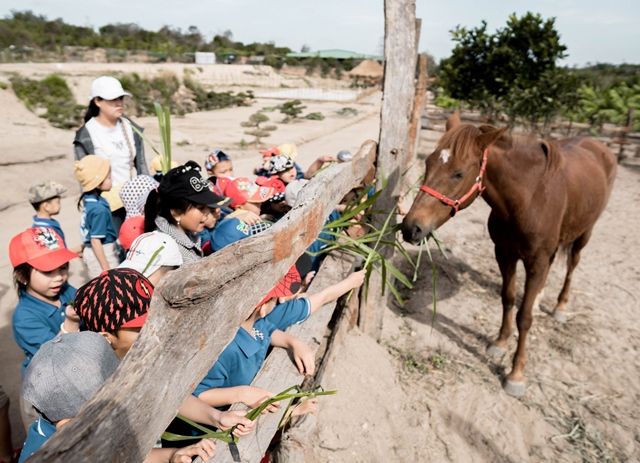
(543, 195)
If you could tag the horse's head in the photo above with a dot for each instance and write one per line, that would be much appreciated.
(451, 170)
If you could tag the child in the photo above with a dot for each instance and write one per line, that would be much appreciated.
(64, 374)
(98, 233)
(40, 263)
(121, 323)
(45, 199)
(180, 208)
(281, 171)
(206, 235)
(218, 164)
(228, 380)
(153, 254)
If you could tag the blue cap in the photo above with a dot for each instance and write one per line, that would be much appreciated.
(229, 231)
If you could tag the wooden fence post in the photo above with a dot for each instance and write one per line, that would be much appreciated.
(194, 314)
(397, 104)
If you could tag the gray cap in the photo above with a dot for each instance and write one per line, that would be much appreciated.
(292, 191)
(45, 190)
(66, 372)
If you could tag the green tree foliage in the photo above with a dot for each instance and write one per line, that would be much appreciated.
(291, 109)
(257, 130)
(612, 105)
(513, 71)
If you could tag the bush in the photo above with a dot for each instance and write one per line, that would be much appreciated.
(52, 96)
(291, 109)
(314, 116)
(347, 111)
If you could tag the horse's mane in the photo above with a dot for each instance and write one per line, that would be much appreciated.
(462, 140)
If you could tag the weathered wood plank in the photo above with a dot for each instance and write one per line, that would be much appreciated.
(397, 103)
(279, 372)
(194, 314)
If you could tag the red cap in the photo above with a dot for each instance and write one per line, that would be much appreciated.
(273, 151)
(40, 247)
(130, 230)
(243, 190)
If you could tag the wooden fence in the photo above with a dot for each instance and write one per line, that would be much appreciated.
(194, 314)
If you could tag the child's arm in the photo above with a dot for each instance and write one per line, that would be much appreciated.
(200, 412)
(98, 250)
(249, 395)
(333, 292)
(317, 165)
(302, 354)
(205, 449)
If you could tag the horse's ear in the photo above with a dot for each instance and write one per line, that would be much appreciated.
(453, 120)
(490, 135)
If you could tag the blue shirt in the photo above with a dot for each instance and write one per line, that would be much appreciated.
(49, 223)
(240, 362)
(96, 220)
(206, 240)
(39, 432)
(36, 322)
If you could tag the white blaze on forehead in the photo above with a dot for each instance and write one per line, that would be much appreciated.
(444, 155)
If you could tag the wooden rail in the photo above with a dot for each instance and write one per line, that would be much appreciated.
(194, 314)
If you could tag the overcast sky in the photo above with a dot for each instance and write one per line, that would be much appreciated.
(593, 30)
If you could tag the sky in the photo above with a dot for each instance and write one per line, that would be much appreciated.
(594, 31)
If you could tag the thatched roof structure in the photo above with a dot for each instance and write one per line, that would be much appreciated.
(367, 68)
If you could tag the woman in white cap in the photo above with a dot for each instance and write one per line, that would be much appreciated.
(108, 134)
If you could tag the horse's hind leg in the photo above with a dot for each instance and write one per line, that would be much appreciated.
(573, 257)
(536, 276)
(507, 262)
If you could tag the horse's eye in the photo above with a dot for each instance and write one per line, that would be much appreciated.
(457, 175)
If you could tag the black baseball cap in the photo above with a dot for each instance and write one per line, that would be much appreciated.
(185, 182)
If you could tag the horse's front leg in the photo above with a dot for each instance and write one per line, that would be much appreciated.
(536, 276)
(507, 262)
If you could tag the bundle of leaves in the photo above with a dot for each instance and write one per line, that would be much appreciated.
(51, 98)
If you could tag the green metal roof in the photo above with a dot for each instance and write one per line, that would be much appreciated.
(335, 54)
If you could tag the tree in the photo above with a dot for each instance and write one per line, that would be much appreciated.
(513, 71)
(257, 130)
(291, 109)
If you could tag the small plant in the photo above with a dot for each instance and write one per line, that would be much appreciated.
(317, 116)
(243, 144)
(347, 111)
(257, 130)
(438, 361)
(164, 124)
(291, 109)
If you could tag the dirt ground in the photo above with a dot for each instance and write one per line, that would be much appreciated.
(427, 391)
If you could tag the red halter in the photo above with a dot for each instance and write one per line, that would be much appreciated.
(477, 186)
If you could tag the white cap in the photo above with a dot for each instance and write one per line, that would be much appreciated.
(150, 251)
(107, 88)
(292, 190)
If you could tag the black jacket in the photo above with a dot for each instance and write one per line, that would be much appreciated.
(82, 145)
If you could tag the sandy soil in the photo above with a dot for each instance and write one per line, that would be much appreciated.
(429, 392)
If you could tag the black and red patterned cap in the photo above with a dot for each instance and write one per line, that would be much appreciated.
(287, 286)
(115, 299)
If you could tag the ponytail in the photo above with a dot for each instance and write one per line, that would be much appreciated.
(92, 110)
(151, 208)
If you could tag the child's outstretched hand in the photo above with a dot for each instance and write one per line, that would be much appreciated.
(204, 449)
(356, 279)
(253, 396)
(236, 418)
(304, 357)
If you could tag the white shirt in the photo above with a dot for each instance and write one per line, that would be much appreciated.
(109, 143)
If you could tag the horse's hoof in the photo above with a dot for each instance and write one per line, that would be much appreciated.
(495, 351)
(514, 388)
(559, 316)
